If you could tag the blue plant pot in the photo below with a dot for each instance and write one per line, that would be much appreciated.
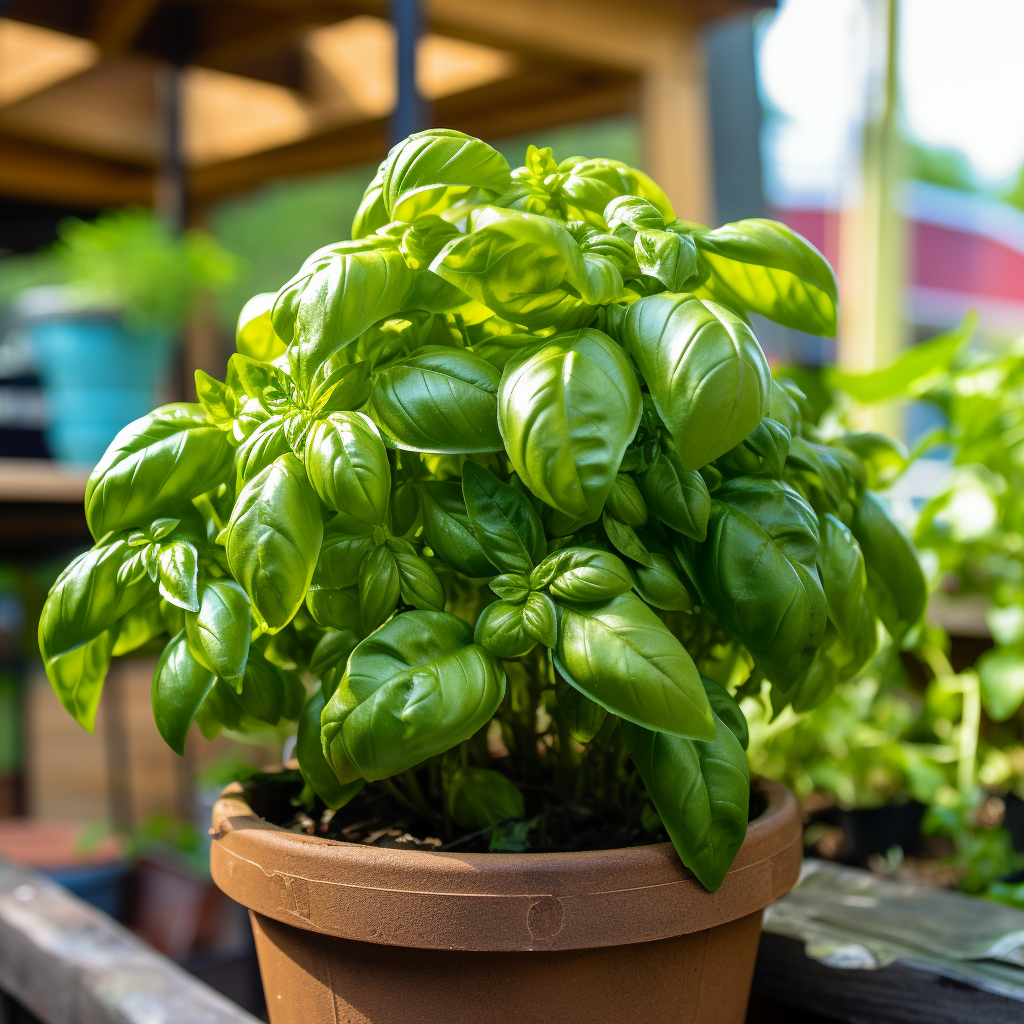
(97, 379)
(103, 885)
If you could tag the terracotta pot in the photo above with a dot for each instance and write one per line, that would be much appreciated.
(351, 934)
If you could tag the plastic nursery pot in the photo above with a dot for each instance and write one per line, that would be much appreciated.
(364, 935)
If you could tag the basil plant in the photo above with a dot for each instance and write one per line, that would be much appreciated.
(500, 503)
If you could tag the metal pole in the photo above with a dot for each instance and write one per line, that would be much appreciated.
(410, 114)
(172, 184)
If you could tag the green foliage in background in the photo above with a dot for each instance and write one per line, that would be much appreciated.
(500, 503)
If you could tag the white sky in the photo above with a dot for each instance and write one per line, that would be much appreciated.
(962, 70)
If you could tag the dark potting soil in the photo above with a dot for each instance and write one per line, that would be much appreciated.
(374, 818)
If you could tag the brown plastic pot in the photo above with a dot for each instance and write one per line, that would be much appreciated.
(352, 934)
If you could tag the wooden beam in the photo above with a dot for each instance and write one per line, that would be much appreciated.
(116, 23)
(31, 170)
(67, 961)
(533, 101)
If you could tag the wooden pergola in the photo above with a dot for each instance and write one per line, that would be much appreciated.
(271, 89)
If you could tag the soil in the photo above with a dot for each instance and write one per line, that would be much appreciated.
(374, 818)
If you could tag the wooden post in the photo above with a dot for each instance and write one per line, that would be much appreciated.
(674, 122)
(872, 256)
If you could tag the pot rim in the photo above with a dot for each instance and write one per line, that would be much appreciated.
(495, 901)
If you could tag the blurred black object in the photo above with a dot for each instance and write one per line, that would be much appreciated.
(878, 829)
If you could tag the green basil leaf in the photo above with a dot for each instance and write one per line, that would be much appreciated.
(254, 335)
(138, 627)
(268, 384)
(439, 400)
(434, 170)
(528, 269)
(335, 608)
(896, 584)
(706, 372)
(882, 458)
(77, 676)
(756, 571)
(584, 575)
(347, 464)
(155, 464)
(418, 582)
(625, 540)
(625, 502)
(180, 685)
(511, 586)
(661, 586)
(264, 689)
(583, 717)
(339, 292)
(481, 797)
(379, 587)
(678, 497)
(1001, 674)
(621, 655)
(316, 772)
(264, 446)
(503, 520)
(341, 553)
(273, 541)
(501, 629)
(540, 619)
(179, 575)
(764, 267)
(220, 710)
(86, 600)
(345, 388)
(449, 530)
(217, 399)
(818, 471)
(591, 184)
(416, 688)
(567, 414)
(701, 791)
(727, 710)
(172, 617)
(667, 257)
(844, 579)
(763, 452)
(371, 213)
(218, 633)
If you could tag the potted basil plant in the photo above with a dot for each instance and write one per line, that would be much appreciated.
(500, 502)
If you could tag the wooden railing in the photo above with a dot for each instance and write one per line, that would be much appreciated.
(68, 963)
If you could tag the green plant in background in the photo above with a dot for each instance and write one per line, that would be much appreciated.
(500, 502)
(954, 743)
(130, 261)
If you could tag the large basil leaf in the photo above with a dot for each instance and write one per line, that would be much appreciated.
(661, 586)
(309, 750)
(591, 184)
(567, 414)
(264, 689)
(431, 171)
(339, 292)
(528, 269)
(267, 443)
(706, 372)
(757, 573)
(767, 268)
(896, 584)
(156, 463)
(347, 464)
(449, 530)
(379, 587)
(138, 627)
(583, 716)
(439, 400)
(218, 633)
(504, 522)
(762, 452)
(335, 608)
(77, 677)
(180, 685)
(273, 541)
(701, 791)
(87, 599)
(623, 657)
(415, 688)
(419, 585)
(678, 497)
